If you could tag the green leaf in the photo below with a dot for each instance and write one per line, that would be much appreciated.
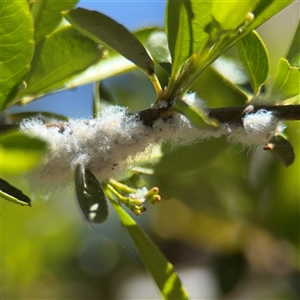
(90, 196)
(196, 117)
(45, 116)
(105, 30)
(293, 55)
(157, 265)
(286, 82)
(181, 159)
(60, 57)
(185, 28)
(158, 48)
(281, 149)
(47, 15)
(16, 47)
(12, 194)
(20, 153)
(231, 14)
(255, 59)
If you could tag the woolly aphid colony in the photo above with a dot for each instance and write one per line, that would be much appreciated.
(116, 140)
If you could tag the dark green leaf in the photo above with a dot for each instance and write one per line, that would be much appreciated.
(18, 117)
(57, 60)
(47, 15)
(157, 265)
(20, 153)
(231, 14)
(12, 194)
(105, 30)
(281, 149)
(286, 82)
(185, 28)
(293, 55)
(90, 196)
(255, 59)
(16, 46)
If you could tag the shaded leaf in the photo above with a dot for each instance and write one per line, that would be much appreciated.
(18, 117)
(281, 149)
(231, 14)
(155, 262)
(90, 196)
(105, 30)
(59, 58)
(12, 194)
(185, 24)
(293, 55)
(20, 153)
(255, 59)
(47, 15)
(286, 82)
(16, 47)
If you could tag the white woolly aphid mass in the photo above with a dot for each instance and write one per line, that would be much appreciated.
(116, 140)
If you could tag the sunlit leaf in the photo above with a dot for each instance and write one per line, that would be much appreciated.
(90, 196)
(231, 14)
(12, 194)
(157, 265)
(281, 149)
(105, 30)
(16, 47)
(47, 15)
(59, 58)
(255, 59)
(185, 28)
(286, 82)
(20, 153)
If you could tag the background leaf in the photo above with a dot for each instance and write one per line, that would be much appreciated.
(286, 82)
(16, 47)
(20, 153)
(293, 55)
(12, 194)
(157, 265)
(90, 196)
(59, 58)
(47, 15)
(105, 30)
(255, 59)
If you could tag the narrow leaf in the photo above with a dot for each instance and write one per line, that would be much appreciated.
(105, 30)
(57, 60)
(157, 265)
(90, 196)
(20, 153)
(255, 59)
(293, 55)
(281, 149)
(185, 27)
(231, 14)
(286, 82)
(45, 116)
(12, 194)
(47, 15)
(16, 47)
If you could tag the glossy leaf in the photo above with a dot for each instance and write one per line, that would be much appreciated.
(20, 153)
(105, 30)
(255, 59)
(185, 28)
(157, 265)
(293, 55)
(90, 196)
(47, 15)
(286, 82)
(281, 149)
(58, 59)
(12, 194)
(16, 47)
(231, 14)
